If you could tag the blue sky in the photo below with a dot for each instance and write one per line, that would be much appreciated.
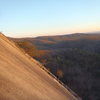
(22, 18)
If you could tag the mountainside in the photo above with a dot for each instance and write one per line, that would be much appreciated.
(21, 77)
(78, 40)
(74, 59)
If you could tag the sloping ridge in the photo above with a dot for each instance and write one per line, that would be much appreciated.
(22, 79)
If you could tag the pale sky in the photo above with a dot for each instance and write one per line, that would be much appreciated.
(25, 18)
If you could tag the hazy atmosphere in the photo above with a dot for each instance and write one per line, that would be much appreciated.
(25, 18)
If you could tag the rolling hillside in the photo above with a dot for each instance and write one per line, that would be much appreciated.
(22, 78)
(74, 59)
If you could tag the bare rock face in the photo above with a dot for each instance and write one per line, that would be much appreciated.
(21, 77)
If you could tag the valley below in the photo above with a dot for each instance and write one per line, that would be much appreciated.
(74, 59)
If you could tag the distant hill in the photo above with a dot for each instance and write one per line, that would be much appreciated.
(74, 59)
(77, 40)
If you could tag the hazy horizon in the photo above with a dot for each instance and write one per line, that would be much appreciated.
(32, 18)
